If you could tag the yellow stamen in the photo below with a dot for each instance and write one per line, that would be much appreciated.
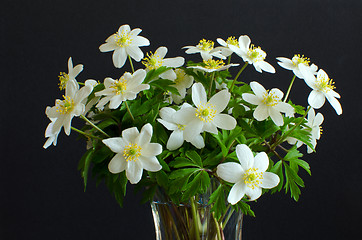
(120, 85)
(131, 152)
(206, 112)
(270, 99)
(63, 78)
(180, 76)
(181, 127)
(232, 41)
(324, 84)
(256, 54)
(122, 39)
(65, 106)
(252, 178)
(152, 61)
(206, 45)
(214, 64)
(297, 59)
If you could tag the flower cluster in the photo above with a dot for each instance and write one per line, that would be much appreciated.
(185, 127)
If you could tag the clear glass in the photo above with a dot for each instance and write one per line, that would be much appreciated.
(193, 221)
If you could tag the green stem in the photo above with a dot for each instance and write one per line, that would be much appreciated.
(282, 138)
(217, 225)
(229, 59)
(85, 134)
(129, 110)
(212, 81)
(130, 62)
(94, 126)
(290, 87)
(195, 217)
(237, 75)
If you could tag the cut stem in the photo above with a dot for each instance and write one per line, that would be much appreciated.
(94, 126)
(290, 87)
(237, 75)
(85, 134)
(195, 217)
(130, 62)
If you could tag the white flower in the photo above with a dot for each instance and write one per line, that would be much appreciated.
(134, 152)
(295, 63)
(69, 77)
(207, 115)
(313, 122)
(212, 65)
(252, 55)
(249, 177)
(50, 134)
(269, 103)
(206, 49)
(182, 82)
(322, 88)
(72, 105)
(177, 138)
(225, 50)
(156, 60)
(125, 43)
(125, 88)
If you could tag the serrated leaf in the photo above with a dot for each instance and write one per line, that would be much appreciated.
(292, 179)
(182, 172)
(182, 162)
(204, 181)
(278, 169)
(195, 157)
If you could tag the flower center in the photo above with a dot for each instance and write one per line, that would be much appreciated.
(206, 112)
(270, 99)
(180, 76)
(214, 64)
(297, 59)
(181, 127)
(152, 61)
(120, 85)
(232, 41)
(122, 39)
(256, 54)
(206, 45)
(252, 178)
(324, 84)
(63, 78)
(65, 106)
(132, 152)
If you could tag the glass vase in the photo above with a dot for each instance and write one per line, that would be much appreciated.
(193, 221)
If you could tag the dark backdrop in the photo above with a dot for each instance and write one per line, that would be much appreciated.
(42, 194)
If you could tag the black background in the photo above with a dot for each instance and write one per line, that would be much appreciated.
(41, 195)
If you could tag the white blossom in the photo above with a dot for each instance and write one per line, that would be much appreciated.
(212, 65)
(295, 63)
(69, 78)
(206, 49)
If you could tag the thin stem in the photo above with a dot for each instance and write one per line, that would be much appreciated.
(217, 225)
(94, 126)
(130, 62)
(85, 134)
(195, 217)
(237, 75)
(229, 59)
(211, 83)
(290, 87)
(129, 110)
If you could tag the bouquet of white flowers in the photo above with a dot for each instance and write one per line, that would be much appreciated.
(184, 127)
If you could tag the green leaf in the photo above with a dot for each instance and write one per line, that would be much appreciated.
(86, 160)
(195, 157)
(278, 169)
(245, 208)
(192, 187)
(292, 182)
(224, 150)
(154, 73)
(182, 172)
(293, 154)
(204, 181)
(304, 165)
(162, 179)
(182, 162)
(217, 200)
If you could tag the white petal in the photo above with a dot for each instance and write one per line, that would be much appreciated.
(285, 108)
(261, 112)
(269, 180)
(237, 192)
(75, 71)
(198, 94)
(67, 123)
(221, 42)
(116, 144)
(318, 120)
(150, 163)
(124, 29)
(169, 125)
(244, 42)
(267, 67)
(231, 172)
(251, 98)
(184, 116)
(115, 101)
(135, 53)
(285, 63)
(130, 134)
(276, 116)
(258, 89)
(220, 100)
(253, 194)
(134, 171)
(193, 129)
(119, 57)
(141, 41)
(166, 113)
(151, 149)
(161, 52)
(335, 104)
(225, 121)
(209, 127)
(175, 140)
(261, 161)
(107, 47)
(173, 62)
(169, 74)
(117, 164)
(245, 156)
(316, 99)
(198, 142)
(277, 92)
(83, 93)
(145, 135)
